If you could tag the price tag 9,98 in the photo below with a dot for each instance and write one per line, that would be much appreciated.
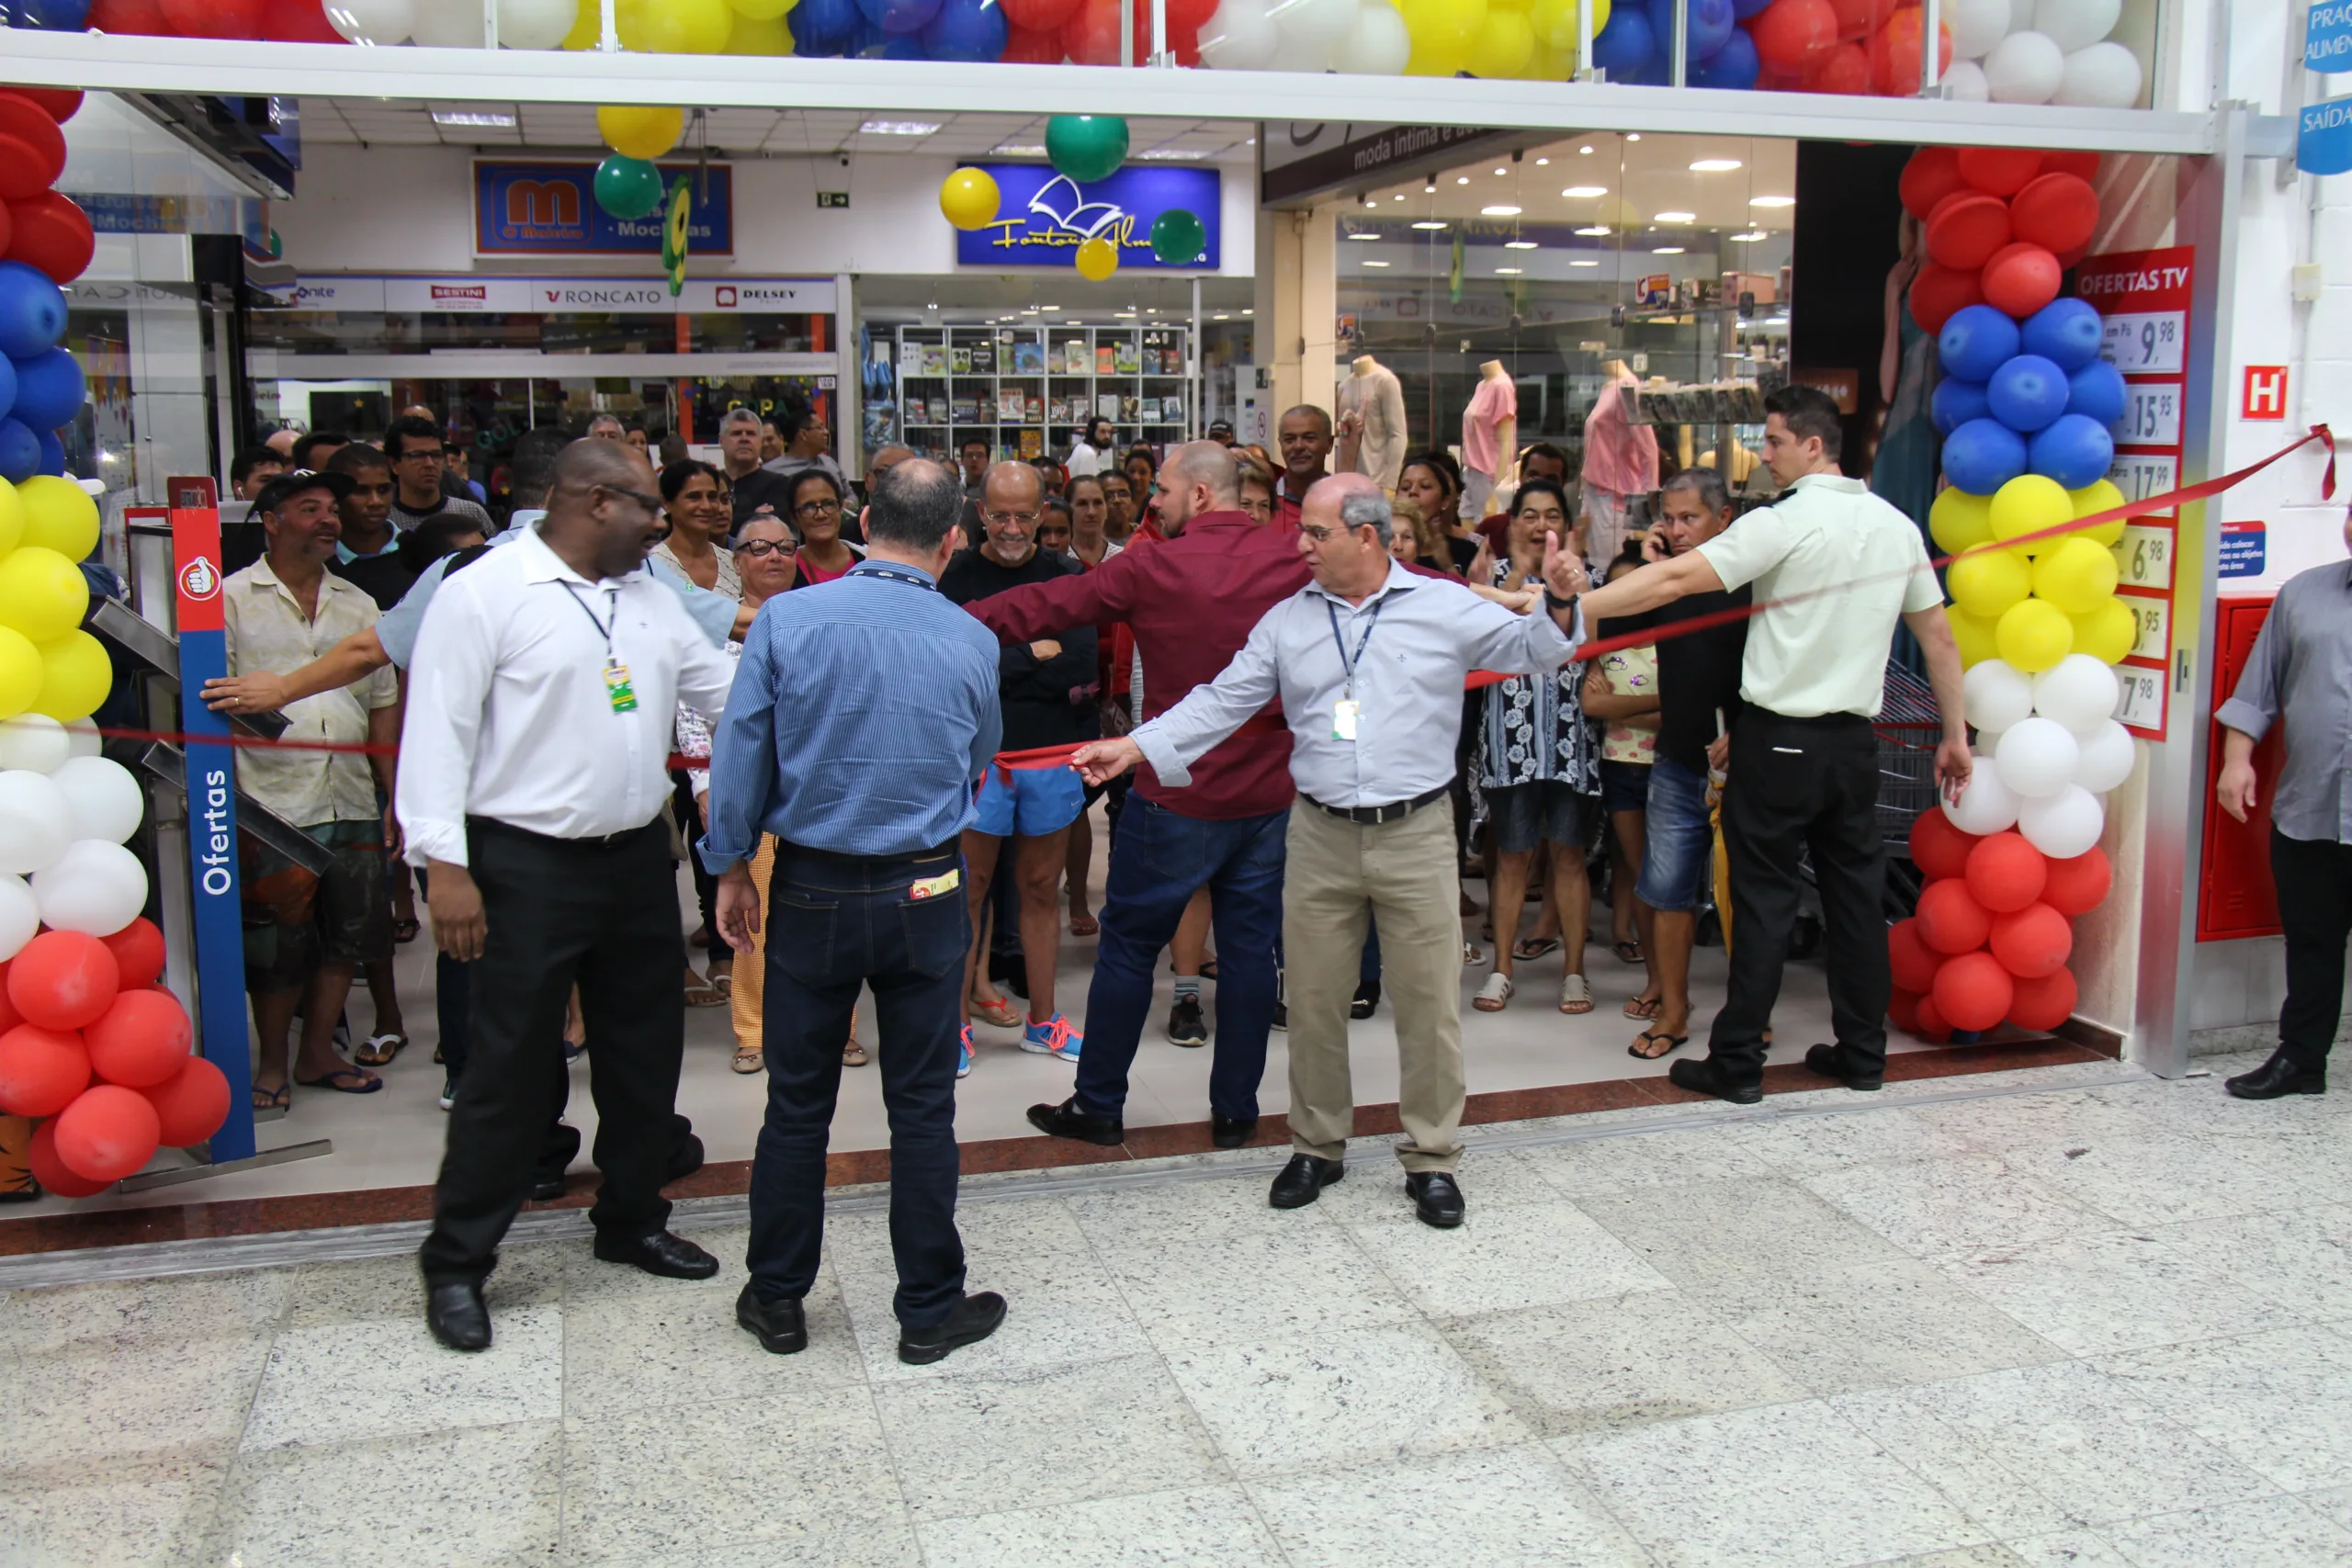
(2151, 342)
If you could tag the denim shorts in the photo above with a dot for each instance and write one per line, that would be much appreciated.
(1546, 811)
(1624, 786)
(1037, 801)
(1678, 852)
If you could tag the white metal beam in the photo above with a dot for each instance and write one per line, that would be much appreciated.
(512, 365)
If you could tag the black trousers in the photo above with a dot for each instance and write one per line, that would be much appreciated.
(560, 911)
(2314, 882)
(682, 800)
(1799, 784)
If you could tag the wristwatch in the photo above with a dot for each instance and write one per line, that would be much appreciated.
(1553, 601)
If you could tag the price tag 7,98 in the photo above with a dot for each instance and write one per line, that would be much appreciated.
(2143, 557)
(2142, 707)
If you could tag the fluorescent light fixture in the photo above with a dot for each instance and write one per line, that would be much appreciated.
(1584, 264)
(1519, 245)
(897, 127)
(1430, 223)
(1361, 234)
(1751, 235)
(1124, 315)
(1771, 201)
(1580, 192)
(1504, 212)
(1508, 271)
(1171, 155)
(1715, 165)
(1018, 150)
(1370, 263)
(1049, 306)
(1676, 217)
(495, 118)
(1249, 312)
(1667, 251)
(1598, 228)
(1221, 316)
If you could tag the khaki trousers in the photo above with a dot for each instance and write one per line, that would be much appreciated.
(745, 993)
(1339, 873)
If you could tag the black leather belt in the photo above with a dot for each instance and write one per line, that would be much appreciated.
(1373, 816)
(786, 849)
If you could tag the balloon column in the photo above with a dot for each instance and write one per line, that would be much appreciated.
(2025, 409)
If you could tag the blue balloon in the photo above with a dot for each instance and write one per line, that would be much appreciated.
(49, 390)
(1956, 403)
(20, 452)
(1710, 25)
(1977, 340)
(908, 46)
(53, 454)
(7, 386)
(51, 16)
(1622, 48)
(2064, 331)
(895, 16)
(825, 27)
(1743, 9)
(1984, 455)
(1733, 68)
(2027, 393)
(969, 30)
(2097, 392)
(32, 311)
(2073, 451)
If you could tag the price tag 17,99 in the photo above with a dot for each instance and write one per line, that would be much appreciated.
(2140, 475)
(2143, 557)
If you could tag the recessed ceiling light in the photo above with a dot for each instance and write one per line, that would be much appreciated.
(1542, 162)
(1249, 312)
(1584, 264)
(1519, 245)
(1023, 150)
(1771, 201)
(1430, 223)
(1508, 271)
(1221, 316)
(493, 119)
(1368, 262)
(1372, 201)
(1676, 217)
(1399, 197)
(1580, 192)
(1502, 171)
(1361, 234)
(1049, 306)
(1715, 165)
(1667, 251)
(1597, 229)
(1462, 179)
(1633, 136)
(897, 127)
(1498, 212)
(1585, 151)
(1751, 234)
(1171, 155)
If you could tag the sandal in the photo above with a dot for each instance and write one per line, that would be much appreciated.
(722, 979)
(1576, 997)
(748, 1059)
(853, 1054)
(701, 993)
(1208, 969)
(1642, 1007)
(1627, 951)
(1528, 949)
(405, 931)
(1664, 1044)
(1002, 1015)
(378, 1050)
(1471, 955)
(278, 1099)
(1491, 996)
(1083, 924)
(361, 1083)
(1486, 930)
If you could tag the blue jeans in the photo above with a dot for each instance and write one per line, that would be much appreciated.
(1679, 852)
(832, 926)
(1158, 860)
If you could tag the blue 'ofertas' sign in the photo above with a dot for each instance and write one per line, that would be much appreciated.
(2327, 37)
(2324, 146)
(550, 209)
(1044, 216)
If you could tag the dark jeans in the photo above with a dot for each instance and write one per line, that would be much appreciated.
(563, 912)
(1799, 786)
(2314, 882)
(1158, 858)
(834, 925)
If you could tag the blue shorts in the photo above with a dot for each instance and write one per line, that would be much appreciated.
(1544, 812)
(1678, 852)
(1624, 786)
(1039, 801)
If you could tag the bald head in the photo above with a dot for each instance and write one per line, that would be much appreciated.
(1343, 534)
(888, 459)
(593, 461)
(1198, 477)
(1011, 502)
(604, 517)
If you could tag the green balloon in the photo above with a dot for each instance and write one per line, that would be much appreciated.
(628, 187)
(1177, 237)
(1086, 147)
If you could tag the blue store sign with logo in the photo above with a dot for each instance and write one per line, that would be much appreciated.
(1044, 217)
(550, 209)
(2327, 37)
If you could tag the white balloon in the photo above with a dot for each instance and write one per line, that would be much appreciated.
(96, 888)
(33, 741)
(1240, 36)
(1319, 22)
(19, 916)
(1379, 45)
(2104, 76)
(2079, 692)
(104, 800)
(1987, 805)
(1965, 84)
(535, 24)
(83, 739)
(1976, 26)
(1998, 694)
(1293, 53)
(449, 23)
(379, 22)
(2024, 68)
(2107, 758)
(2064, 825)
(2076, 24)
(35, 823)
(2036, 757)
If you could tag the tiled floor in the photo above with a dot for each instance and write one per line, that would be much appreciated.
(2006, 1322)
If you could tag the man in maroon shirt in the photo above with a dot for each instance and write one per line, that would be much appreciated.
(1191, 600)
(1303, 434)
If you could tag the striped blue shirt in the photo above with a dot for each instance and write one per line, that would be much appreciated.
(862, 711)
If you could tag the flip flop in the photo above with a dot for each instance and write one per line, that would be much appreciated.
(1084, 925)
(378, 1050)
(1208, 969)
(404, 931)
(278, 1099)
(702, 994)
(1627, 951)
(1003, 1015)
(1673, 1043)
(335, 1081)
(1528, 949)
(1642, 1007)
(747, 1061)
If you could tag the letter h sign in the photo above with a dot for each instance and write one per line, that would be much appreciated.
(2264, 394)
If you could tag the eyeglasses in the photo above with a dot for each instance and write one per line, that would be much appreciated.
(437, 455)
(761, 548)
(651, 503)
(1321, 535)
(818, 509)
(1026, 519)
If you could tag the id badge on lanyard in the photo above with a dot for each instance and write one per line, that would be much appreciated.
(1347, 711)
(617, 687)
(618, 690)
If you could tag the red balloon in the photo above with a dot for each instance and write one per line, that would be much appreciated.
(52, 234)
(2083, 166)
(1934, 1028)
(1860, 18)
(109, 1133)
(2032, 941)
(1973, 991)
(142, 1041)
(1913, 962)
(213, 18)
(2000, 171)
(1038, 16)
(63, 979)
(139, 17)
(138, 952)
(1902, 1010)
(2057, 212)
(2043, 1001)
(9, 1016)
(1022, 47)
(298, 21)
(1844, 69)
(191, 1107)
(51, 1172)
(2021, 279)
(1940, 293)
(1790, 35)
(1091, 37)
(1932, 174)
(1895, 53)
(1938, 849)
(35, 148)
(60, 104)
(1966, 227)
(1950, 919)
(2079, 885)
(1185, 17)
(2069, 260)
(2005, 873)
(41, 1070)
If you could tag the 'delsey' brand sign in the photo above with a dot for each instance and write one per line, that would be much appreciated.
(550, 209)
(1043, 217)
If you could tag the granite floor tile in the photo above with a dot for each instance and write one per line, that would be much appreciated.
(2279, 1404)
(1723, 1233)
(1975, 1479)
(2278, 1532)
(1644, 1160)
(1845, 1137)
(374, 1290)
(1208, 1526)
(2068, 1548)
(124, 1312)
(774, 1467)
(2298, 1258)
(1060, 1306)
(2121, 1291)
(2162, 1178)
(1330, 1398)
(336, 1383)
(2075, 1119)
(1991, 1554)
(479, 1494)
(1309, 1275)
(1183, 1211)
(1956, 1204)
(887, 1545)
(1492, 1180)
(1779, 1486)
(859, 1244)
(1502, 1260)
(162, 1400)
(143, 1513)
(1617, 1362)
(966, 1445)
(1511, 1508)
(684, 1346)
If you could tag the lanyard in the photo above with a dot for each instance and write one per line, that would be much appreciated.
(870, 569)
(1348, 665)
(612, 608)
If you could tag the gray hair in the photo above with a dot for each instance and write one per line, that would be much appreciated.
(914, 505)
(1366, 509)
(1707, 483)
(739, 414)
(602, 420)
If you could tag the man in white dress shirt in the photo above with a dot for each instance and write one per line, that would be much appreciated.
(533, 771)
(1368, 660)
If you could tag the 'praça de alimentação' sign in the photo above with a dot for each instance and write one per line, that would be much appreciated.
(1044, 217)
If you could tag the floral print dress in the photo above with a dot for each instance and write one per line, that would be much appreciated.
(1535, 728)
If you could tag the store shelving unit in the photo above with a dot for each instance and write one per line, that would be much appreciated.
(1026, 390)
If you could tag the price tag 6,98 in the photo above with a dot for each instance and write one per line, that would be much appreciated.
(2143, 557)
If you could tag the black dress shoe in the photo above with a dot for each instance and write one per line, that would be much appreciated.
(1707, 1077)
(1303, 1181)
(1067, 1121)
(1830, 1063)
(684, 1159)
(1437, 1198)
(1367, 997)
(781, 1326)
(1231, 1131)
(547, 1188)
(671, 1257)
(1280, 1022)
(456, 1314)
(970, 1321)
(2278, 1077)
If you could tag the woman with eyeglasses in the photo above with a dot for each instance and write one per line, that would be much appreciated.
(700, 516)
(814, 500)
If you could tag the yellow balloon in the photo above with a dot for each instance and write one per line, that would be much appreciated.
(636, 130)
(969, 199)
(673, 27)
(2099, 495)
(760, 34)
(1505, 46)
(760, 10)
(58, 516)
(1988, 579)
(11, 515)
(1974, 637)
(1519, 5)
(1959, 521)
(2107, 633)
(1444, 32)
(76, 677)
(1555, 22)
(2033, 634)
(1097, 259)
(43, 594)
(2074, 575)
(20, 673)
(587, 27)
(2028, 504)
